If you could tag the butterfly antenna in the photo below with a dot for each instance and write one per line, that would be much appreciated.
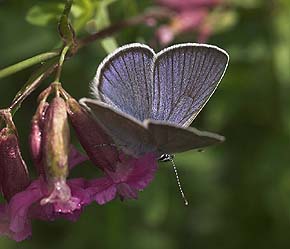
(178, 182)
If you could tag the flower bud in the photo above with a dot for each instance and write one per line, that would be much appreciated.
(35, 138)
(92, 137)
(55, 148)
(14, 176)
(56, 139)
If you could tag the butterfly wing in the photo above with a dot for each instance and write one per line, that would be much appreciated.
(184, 78)
(172, 139)
(124, 80)
(128, 133)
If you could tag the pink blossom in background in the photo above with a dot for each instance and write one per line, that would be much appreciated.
(185, 4)
(190, 16)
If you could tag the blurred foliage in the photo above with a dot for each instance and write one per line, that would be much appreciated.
(239, 191)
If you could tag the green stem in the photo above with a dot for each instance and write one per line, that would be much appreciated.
(67, 7)
(60, 63)
(33, 82)
(53, 63)
(65, 29)
(27, 63)
(158, 13)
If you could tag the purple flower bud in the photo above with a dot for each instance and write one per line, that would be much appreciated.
(56, 140)
(35, 137)
(94, 140)
(55, 150)
(13, 172)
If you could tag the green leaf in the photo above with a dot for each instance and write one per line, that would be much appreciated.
(83, 11)
(44, 14)
(223, 20)
(249, 4)
(109, 44)
(49, 13)
(102, 20)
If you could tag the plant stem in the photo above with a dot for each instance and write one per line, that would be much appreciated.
(159, 13)
(67, 7)
(33, 82)
(60, 63)
(27, 63)
(52, 63)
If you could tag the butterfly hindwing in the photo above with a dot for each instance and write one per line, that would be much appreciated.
(171, 139)
(128, 134)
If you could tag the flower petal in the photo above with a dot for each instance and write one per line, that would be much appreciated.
(102, 190)
(75, 157)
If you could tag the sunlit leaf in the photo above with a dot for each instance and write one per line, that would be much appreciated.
(222, 20)
(246, 3)
(101, 21)
(84, 12)
(44, 14)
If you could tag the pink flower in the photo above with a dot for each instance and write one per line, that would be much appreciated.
(23, 198)
(16, 216)
(49, 142)
(190, 15)
(124, 175)
(186, 4)
(14, 178)
(131, 175)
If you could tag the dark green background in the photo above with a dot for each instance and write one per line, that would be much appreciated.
(239, 191)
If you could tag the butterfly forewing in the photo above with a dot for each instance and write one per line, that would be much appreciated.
(172, 139)
(184, 78)
(124, 80)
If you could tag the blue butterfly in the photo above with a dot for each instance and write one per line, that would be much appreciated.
(147, 101)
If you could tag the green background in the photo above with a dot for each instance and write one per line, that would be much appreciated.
(239, 191)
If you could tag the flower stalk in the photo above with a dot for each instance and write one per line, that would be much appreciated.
(27, 63)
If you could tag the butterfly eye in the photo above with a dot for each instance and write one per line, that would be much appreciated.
(165, 157)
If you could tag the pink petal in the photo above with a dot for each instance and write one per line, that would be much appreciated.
(102, 190)
(75, 157)
(126, 191)
(165, 34)
(20, 204)
(5, 229)
(144, 171)
(131, 176)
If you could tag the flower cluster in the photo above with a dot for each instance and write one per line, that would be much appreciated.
(188, 15)
(53, 194)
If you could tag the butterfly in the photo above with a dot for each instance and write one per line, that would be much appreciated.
(146, 101)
